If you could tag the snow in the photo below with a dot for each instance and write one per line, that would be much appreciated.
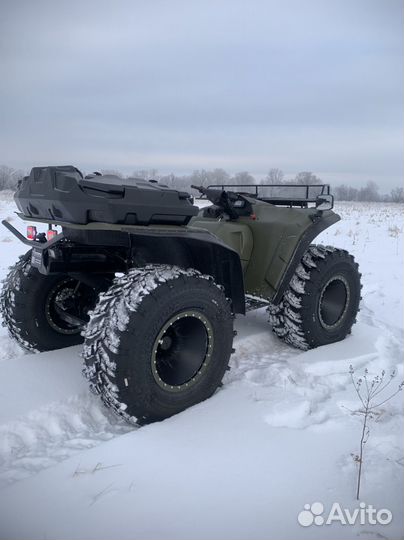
(243, 464)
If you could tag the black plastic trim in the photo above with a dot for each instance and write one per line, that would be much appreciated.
(210, 255)
(322, 222)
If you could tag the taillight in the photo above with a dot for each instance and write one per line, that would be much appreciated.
(31, 232)
(51, 234)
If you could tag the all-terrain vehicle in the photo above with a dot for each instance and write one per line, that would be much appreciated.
(151, 283)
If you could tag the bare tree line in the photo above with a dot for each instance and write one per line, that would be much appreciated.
(9, 178)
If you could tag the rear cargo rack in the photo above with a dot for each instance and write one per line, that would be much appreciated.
(279, 194)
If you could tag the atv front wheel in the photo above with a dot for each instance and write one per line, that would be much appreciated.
(321, 303)
(158, 342)
(43, 313)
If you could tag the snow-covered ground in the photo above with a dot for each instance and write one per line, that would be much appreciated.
(277, 436)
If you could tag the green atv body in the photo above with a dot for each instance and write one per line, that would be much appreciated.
(269, 242)
(152, 283)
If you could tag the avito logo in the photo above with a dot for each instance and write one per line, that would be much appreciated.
(364, 515)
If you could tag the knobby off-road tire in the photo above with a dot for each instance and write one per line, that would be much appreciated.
(158, 341)
(28, 309)
(322, 300)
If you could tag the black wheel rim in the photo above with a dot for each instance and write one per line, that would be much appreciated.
(334, 301)
(67, 305)
(182, 351)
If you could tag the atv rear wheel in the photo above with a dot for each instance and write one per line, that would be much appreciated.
(322, 301)
(43, 313)
(158, 342)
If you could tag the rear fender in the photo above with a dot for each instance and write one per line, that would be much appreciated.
(95, 250)
(199, 249)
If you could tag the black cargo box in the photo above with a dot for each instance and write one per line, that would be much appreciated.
(62, 194)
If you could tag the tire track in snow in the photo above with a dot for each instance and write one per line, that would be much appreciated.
(47, 412)
(63, 418)
(297, 389)
(54, 433)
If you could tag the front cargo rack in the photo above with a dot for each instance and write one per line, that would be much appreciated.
(301, 195)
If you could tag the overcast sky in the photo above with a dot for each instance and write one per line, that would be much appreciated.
(179, 85)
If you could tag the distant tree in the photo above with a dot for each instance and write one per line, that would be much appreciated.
(205, 178)
(243, 177)
(10, 177)
(5, 174)
(169, 180)
(397, 195)
(114, 172)
(274, 176)
(219, 176)
(307, 177)
(341, 192)
(369, 193)
(345, 193)
(145, 174)
(200, 178)
(352, 194)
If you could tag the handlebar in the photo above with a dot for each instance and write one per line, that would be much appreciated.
(220, 198)
(215, 196)
(201, 189)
